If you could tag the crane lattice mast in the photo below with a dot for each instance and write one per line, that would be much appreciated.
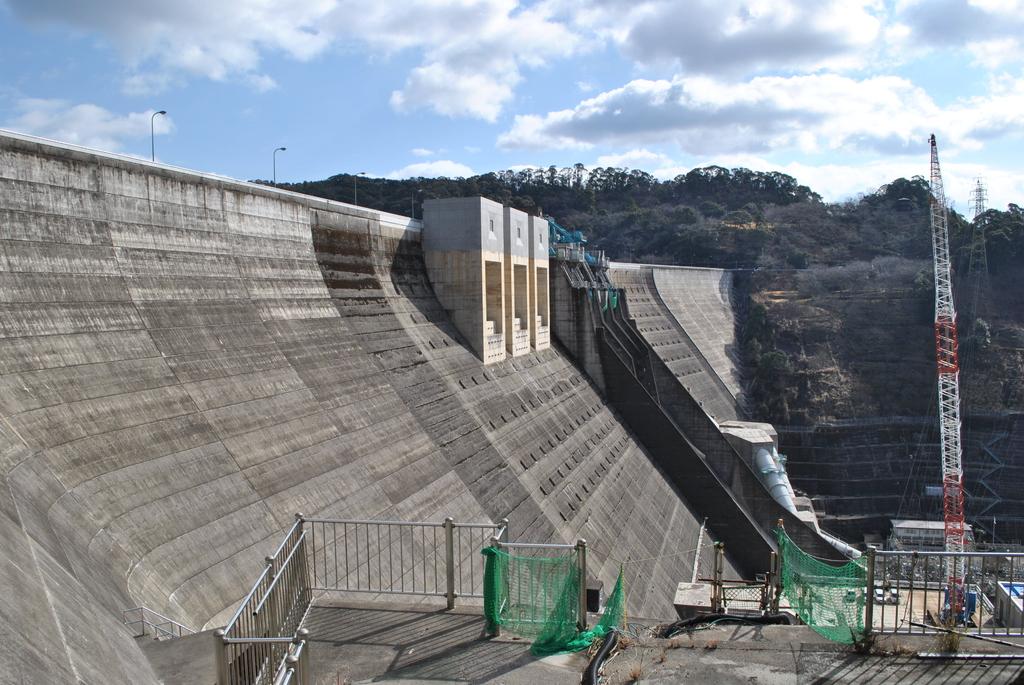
(948, 367)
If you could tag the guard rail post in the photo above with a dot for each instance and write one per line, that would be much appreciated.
(495, 629)
(717, 594)
(581, 554)
(302, 661)
(449, 556)
(776, 582)
(220, 656)
(869, 599)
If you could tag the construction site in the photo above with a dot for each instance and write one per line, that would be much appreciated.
(254, 436)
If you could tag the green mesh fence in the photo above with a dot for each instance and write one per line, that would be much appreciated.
(830, 599)
(538, 597)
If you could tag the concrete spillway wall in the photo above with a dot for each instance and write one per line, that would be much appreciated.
(630, 356)
(187, 361)
(687, 316)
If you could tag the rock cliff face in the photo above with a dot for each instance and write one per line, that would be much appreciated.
(859, 343)
(854, 395)
(185, 362)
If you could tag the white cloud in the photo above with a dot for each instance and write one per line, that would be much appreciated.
(740, 36)
(84, 124)
(217, 40)
(473, 51)
(883, 115)
(841, 181)
(701, 114)
(421, 152)
(441, 167)
(473, 60)
(456, 92)
(638, 158)
(989, 30)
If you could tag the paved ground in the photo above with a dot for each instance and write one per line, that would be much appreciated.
(354, 642)
(381, 643)
(790, 655)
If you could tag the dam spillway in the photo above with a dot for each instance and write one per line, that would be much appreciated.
(186, 361)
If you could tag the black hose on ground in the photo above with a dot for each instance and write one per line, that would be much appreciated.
(590, 674)
(701, 619)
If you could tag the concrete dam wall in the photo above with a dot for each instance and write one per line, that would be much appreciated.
(186, 361)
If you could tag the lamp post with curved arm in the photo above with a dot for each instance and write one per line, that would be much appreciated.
(276, 150)
(152, 135)
(355, 188)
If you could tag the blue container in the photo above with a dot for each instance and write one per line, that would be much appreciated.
(970, 604)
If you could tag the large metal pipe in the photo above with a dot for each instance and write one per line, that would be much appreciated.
(773, 475)
(843, 547)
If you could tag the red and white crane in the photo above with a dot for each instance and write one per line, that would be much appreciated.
(948, 367)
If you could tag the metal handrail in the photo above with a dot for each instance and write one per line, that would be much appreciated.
(284, 541)
(915, 585)
(277, 576)
(241, 606)
(536, 545)
(157, 627)
(251, 648)
(294, 668)
(384, 522)
(911, 553)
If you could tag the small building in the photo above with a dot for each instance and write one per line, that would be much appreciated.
(921, 535)
(1009, 605)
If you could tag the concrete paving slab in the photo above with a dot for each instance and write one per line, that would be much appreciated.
(355, 642)
(794, 655)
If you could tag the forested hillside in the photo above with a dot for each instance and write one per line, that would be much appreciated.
(839, 306)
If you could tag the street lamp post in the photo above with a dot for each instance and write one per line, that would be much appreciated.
(412, 202)
(355, 188)
(276, 150)
(152, 135)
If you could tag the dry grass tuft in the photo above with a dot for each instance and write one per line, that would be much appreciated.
(948, 642)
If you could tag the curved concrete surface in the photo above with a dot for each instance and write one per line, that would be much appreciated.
(701, 301)
(186, 361)
(686, 316)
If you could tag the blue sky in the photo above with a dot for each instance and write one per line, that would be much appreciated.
(841, 94)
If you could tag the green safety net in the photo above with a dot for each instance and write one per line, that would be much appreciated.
(538, 597)
(830, 599)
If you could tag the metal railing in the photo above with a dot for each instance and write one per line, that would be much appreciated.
(909, 592)
(148, 622)
(295, 670)
(253, 646)
(263, 643)
(400, 557)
